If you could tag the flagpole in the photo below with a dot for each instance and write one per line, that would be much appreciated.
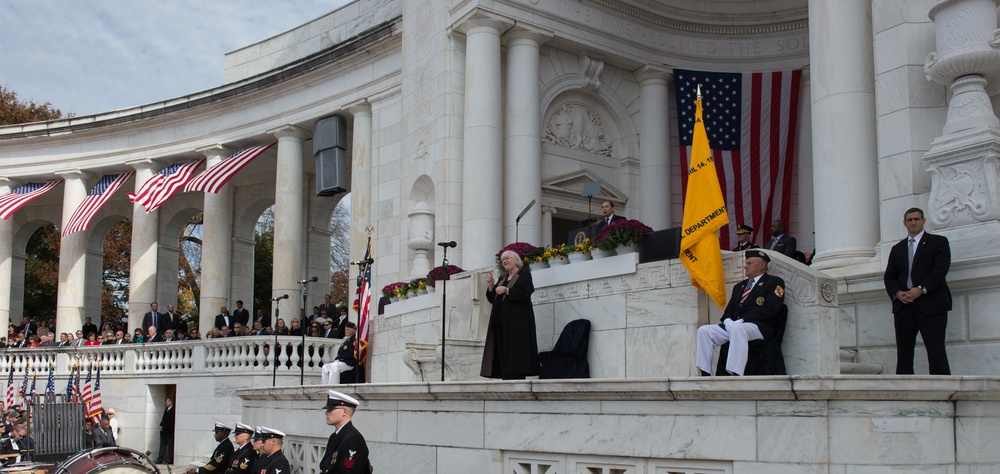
(362, 271)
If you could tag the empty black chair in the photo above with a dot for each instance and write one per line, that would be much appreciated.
(568, 359)
(764, 357)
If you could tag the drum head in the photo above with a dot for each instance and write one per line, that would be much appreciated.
(113, 460)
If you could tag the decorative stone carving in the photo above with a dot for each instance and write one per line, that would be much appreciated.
(967, 41)
(590, 71)
(421, 238)
(576, 126)
(964, 181)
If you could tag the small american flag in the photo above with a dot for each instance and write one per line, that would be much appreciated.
(24, 384)
(96, 198)
(361, 348)
(96, 408)
(70, 387)
(50, 386)
(20, 197)
(34, 378)
(10, 387)
(161, 186)
(213, 179)
(86, 389)
(750, 119)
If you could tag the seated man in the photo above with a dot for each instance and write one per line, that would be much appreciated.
(345, 359)
(750, 315)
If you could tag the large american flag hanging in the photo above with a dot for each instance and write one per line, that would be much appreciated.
(161, 186)
(213, 179)
(751, 121)
(96, 198)
(21, 196)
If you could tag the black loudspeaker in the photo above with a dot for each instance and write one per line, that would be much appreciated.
(660, 245)
(330, 150)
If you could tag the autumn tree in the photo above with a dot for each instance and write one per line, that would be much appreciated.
(41, 274)
(189, 261)
(116, 271)
(341, 288)
(14, 110)
(263, 261)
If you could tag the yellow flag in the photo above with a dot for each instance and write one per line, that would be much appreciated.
(704, 213)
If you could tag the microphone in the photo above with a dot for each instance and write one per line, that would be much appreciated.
(451, 244)
(526, 209)
(310, 280)
(369, 261)
(280, 298)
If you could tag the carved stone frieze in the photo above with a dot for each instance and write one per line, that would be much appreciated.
(576, 126)
(964, 185)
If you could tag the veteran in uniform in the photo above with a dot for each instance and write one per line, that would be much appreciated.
(346, 450)
(345, 359)
(750, 315)
(244, 456)
(270, 459)
(222, 454)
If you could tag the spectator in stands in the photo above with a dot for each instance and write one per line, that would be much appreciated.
(280, 327)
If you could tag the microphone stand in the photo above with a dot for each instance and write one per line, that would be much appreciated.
(517, 222)
(302, 365)
(444, 306)
(277, 314)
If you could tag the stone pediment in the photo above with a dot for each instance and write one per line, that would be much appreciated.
(572, 185)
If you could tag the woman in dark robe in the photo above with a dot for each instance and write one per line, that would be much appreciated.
(511, 346)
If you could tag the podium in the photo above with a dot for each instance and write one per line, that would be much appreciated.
(577, 236)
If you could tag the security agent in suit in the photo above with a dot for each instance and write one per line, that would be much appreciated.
(346, 450)
(744, 240)
(241, 314)
(920, 296)
(243, 458)
(781, 242)
(153, 318)
(750, 315)
(219, 461)
(608, 216)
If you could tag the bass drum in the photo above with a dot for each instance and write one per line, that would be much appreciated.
(111, 460)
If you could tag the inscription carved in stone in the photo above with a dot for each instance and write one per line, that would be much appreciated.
(578, 127)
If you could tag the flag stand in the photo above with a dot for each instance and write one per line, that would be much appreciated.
(364, 307)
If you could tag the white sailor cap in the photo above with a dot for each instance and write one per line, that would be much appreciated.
(222, 427)
(242, 428)
(264, 432)
(336, 399)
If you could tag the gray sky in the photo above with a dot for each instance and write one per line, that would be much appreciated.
(92, 56)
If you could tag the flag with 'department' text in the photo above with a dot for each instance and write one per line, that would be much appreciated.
(704, 213)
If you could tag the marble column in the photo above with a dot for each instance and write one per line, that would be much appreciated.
(654, 147)
(845, 165)
(145, 243)
(6, 257)
(289, 215)
(547, 213)
(217, 243)
(70, 305)
(482, 169)
(522, 169)
(361, 187)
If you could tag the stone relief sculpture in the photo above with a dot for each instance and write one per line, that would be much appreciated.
(576, 126)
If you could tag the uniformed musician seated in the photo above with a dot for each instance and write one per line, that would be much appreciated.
(219, 461)
(750, 315)
(270, 460)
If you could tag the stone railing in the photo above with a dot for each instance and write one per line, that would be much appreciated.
(243, 354)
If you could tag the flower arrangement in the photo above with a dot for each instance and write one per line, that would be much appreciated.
(627, 232)
(440, 273)
(397, 289)
(417, 285)
(529, 253)
(582, 247)
(553, 253)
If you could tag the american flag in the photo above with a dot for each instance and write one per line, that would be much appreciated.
(50, 386)
(751, 120)
(96, 409)
(24, 384)
(21, 196)
(71, 392)
(98, 195)
(34, 378)
(10, 387)
(213, 179)
(86, 389)
(361, 341)
(161, 186)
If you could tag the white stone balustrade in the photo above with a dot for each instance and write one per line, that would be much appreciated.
(240, 354)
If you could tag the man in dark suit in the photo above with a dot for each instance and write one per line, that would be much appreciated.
(242, 314)
(328, 306)
(177, 318)
(346, 450)
(166, 434)
(744, 238)
(781, 242)
(915, 281)
(263, 319)
(153, 318)
(608, 216)
(750, 315)
(153, 336)
(103, 437)
(88, 327)
(224, 318)
(27, 327)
